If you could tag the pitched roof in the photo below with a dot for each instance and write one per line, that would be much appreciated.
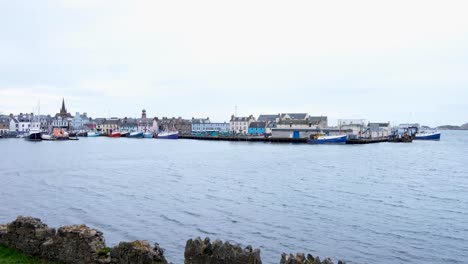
(200, 120)
(379, 124)
(294, 121)
(267, 118)
(295, 115)
(317, 119)
(240, 118)
(111, 122)
(257, 125)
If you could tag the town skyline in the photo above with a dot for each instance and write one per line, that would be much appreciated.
(332, 120)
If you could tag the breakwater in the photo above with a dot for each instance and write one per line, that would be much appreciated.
(246, 138)
(81, 244)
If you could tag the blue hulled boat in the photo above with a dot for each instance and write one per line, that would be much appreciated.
(427, 136)
(169, 135)
(93, 134)
(138, 134)
(148, 135)
(323, 139)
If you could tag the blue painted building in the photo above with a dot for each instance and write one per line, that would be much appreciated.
(257, 128)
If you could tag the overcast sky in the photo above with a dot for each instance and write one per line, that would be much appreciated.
(398, 61)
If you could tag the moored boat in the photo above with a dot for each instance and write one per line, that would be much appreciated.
(138, 134)
(124, 134)
(82, 134)
(33, 136)
(60, 134)
(396, 138)
(324, 139)
(115, 134)
(423, 135)
(168, 135)
(148, 135)
(93, 134)
(47, 137)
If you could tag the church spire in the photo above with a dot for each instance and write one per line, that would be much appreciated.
(63, 110)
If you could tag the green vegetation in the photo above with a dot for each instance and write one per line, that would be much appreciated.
(13, 256)
(103, 252)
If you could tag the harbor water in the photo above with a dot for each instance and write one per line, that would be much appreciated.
(376, 203)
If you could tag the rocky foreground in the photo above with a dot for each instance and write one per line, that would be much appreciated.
(81, 244)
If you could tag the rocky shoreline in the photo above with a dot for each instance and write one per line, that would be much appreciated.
(84, 245)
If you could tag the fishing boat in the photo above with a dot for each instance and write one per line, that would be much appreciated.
(137, 134)
(148, 135)
(124, 134)
(93, 134)
(324, 139)
(114, 134)
(59, 134)
(34, 135)
(397, 138)
(82, 134)
(168, 135)
(426, 135)
(47, 137)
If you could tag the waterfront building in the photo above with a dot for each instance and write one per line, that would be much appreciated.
(14, 124)
(270, 121)
(293, 120)
(204, 124)
(46, 122)
(90, 125)
(267, 118)
(22, 123)
(257, 128)
(199, 124)
(79, 120)
(318, 121)
(61, 122)
(129, 124)
(184, 126)
(375, 130)
(110, 125)
(4, 125)
(99, 123)
(219, 127)
(240, 125)
(356, 125)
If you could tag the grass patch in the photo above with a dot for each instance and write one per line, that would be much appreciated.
(13, 256)
(103, 252)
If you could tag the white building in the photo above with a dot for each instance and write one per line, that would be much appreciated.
(14, 124)
(356, 125)
(293, 121)
(60, 122)
(220, 127)
(24, 123)
(240, 125)
(376, 130)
